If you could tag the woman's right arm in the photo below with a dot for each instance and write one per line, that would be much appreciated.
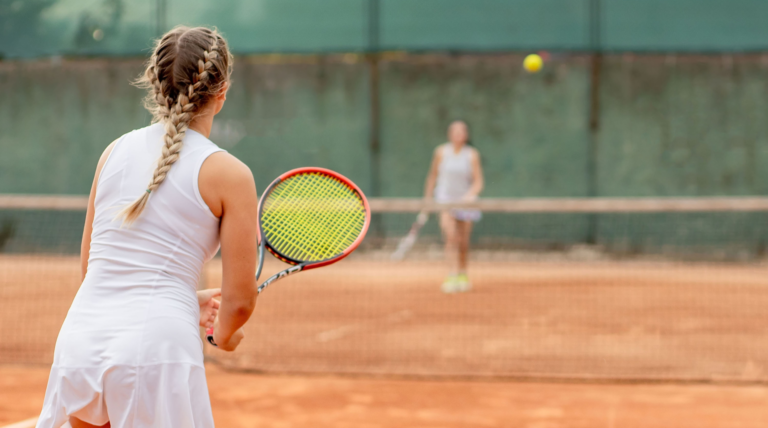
(429, 186)
(228, 188)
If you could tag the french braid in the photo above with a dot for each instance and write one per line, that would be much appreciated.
(180, 83)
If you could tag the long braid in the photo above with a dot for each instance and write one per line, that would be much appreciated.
(176, 115)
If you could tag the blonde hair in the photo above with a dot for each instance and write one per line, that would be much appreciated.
(188, 67)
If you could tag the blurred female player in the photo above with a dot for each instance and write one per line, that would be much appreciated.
(129, 353)
(456, 175)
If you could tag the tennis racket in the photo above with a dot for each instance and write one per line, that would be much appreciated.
(408, 240)
(309, 218)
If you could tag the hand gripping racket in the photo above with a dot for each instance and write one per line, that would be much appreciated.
(309, 218)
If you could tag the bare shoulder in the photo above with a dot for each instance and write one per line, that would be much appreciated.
(438, 152)
(225, 168)
(473, 152)
(105, 156)
(109, 148)
(224, 178)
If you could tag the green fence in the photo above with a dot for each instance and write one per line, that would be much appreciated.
(668, 125)
(671, 125)
(687, 125)
(34, 28)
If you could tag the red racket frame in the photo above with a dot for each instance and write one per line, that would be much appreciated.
(298, 266)
(330, 173)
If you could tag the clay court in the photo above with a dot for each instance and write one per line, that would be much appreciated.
(284, 401)
(597, 169)
(550, 343)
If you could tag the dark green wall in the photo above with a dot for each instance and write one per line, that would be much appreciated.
(56, 119)
(531, 130)
(683, 25)
(312, 112)
(668, 125)
(688, 125)
(487, 25)
(279, 25)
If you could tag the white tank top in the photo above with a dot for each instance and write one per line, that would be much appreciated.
(454, 174)
(141, 279)
(175, 234)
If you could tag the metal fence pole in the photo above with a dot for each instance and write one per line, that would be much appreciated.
(374, 143)
(161, 8)
(594, 110)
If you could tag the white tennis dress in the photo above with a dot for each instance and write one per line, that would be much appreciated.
(129, 351)
(454, 179)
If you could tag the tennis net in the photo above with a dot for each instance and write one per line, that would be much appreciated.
(671, 289)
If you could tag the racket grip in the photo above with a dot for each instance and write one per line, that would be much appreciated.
(209, 336)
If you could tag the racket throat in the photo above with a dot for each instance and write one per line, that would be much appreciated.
(280, 275)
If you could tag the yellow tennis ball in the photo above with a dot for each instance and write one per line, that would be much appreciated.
(533, 63)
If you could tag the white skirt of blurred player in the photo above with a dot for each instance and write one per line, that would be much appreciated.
(460, 214)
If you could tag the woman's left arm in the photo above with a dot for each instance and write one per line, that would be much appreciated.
(477, 177)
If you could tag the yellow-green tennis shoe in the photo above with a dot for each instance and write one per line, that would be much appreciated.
(450, 285)
(462, 283)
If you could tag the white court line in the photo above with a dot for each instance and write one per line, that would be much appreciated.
(28, 423)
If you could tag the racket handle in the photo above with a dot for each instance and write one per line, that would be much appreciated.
(277, 276)
(422, 218)
(209, 336)
(261, 260)
(294, 269)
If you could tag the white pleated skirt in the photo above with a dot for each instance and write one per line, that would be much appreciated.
(134, 360)
(162, 395)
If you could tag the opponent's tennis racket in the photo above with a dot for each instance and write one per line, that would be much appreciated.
(408, 240)
(309, 218)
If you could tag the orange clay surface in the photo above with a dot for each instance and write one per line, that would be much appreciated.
(539, 319)
(249, 400)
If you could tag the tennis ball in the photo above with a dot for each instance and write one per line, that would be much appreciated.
(533, 63)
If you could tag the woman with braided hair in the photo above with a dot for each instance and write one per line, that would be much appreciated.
(163, 200)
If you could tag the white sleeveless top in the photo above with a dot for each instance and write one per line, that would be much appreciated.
(454, 179)
(454, 174)
(129, 351)
(147, 271)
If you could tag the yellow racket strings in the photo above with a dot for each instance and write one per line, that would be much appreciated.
(312, 216)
